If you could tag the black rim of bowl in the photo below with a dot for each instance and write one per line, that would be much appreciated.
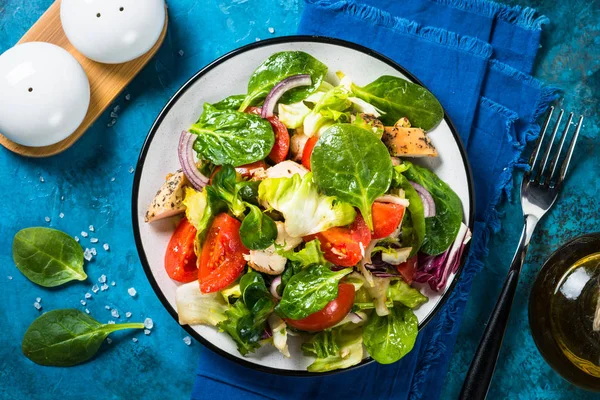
(167, 108)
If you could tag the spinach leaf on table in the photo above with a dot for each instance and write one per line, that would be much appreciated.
(352, 164)
(48, 257)
(391, 337)
(309, 291)
(258, 231)
(440, 230)
(64, 338)
(399, 98)
(413, 224)
(278, 67)
(230, 103)
(231, 137)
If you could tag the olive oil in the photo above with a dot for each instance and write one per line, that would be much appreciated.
(564, 311)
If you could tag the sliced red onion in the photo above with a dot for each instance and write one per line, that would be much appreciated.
(388, 198)
(273, 288)
(426, 198)
(385, 274)
(288, 83)
(188, 162)
(355, 318)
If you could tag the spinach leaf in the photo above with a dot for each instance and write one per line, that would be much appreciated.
(224, 183)
(278, 67)
(239, 325)
(311, 254)
(231, 137)
(64, 338)
(440, 230)
(413, 225)
(48, 257)
(399, 98)
(247, 191)
(352, 164)
(230, 103)
(258, 231)
(335, 349)
(391, 337)
(309, 291)
(403, 293)
(256, 296)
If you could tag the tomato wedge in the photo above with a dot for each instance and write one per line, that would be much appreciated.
(408, 269)
(222, 259)
(334, 311)
(386, 219)
(281, 147)
(308, 149)
(248, 170)
(180, 258)
(342, 245)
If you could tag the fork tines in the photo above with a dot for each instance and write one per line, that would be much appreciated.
(542, 173)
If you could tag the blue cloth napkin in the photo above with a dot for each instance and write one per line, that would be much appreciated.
(474, 55)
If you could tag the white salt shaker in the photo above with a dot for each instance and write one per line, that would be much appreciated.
(44, 94)
(113, 31)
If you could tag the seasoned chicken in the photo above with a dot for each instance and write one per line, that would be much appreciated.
(169, 198)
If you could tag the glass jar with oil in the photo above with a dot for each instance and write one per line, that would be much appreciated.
(564, 311)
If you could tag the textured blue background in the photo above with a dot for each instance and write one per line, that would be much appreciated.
(161, 366)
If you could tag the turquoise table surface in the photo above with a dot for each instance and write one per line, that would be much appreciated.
(90, 184)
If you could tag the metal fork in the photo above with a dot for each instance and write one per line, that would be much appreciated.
(539, 190)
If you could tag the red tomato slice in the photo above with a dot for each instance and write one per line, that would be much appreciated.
(281, 147)
(248, 170)
(386, 218)
(342, 245)
(222, 259)
(334, 311)
(308, 149)
(407, 269)
(180, 258)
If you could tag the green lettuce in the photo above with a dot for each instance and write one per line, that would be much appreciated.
(335, 349)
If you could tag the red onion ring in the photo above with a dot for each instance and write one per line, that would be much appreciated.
(426, 198)
(187, 161)
(273, 288)
(355, 318)
(275, 94)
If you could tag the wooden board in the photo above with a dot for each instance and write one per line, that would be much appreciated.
(106, 80)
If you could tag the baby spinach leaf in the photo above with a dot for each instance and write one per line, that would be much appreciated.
(337, 348)
(48, 257)
(440, 230)
(247, 191)
(402, 292)
(352, 164)
(64, 338)
(239, 325)
(309, 291)
(399, 98)
(230, 103)
(391, 337)
(224, 182)
(413, 225)
(278, 67)
(231, 137)
(258, 231)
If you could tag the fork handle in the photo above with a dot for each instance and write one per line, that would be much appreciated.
(481, 371)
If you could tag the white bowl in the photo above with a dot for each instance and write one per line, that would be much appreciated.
(44, 94)
(113, 31)
(229, 75)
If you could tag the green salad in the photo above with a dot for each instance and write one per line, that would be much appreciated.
(304, 216)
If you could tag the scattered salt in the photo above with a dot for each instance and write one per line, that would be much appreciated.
(127, 97)
(84, 234)
(114, 115)
(111, 123)
(271, 29)
(131, 170)
(88, 296)
(112, 179)
(116, 109)
(108, 340)
(115, 313)
(77, 239)
(187, 340)
(113, 283)
(148, 324)
(47, 219)
(134, 340)
(38, 299)
(87, 254)
(9, 278)
(104, 287)
(62, 198)
(181, 53)
(93, 240)
(106, 247)
(257, 40)
(83, 303)
(91, 228)
(93, 251)
(147, 331)
(107, 307)
(87, 311)
(128, 314)
(102, 278)
(42, 179)
(111, 322)
(131, 292)
(37, 306)
(61, 215)
(95, 288)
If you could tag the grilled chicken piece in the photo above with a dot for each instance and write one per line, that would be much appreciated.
(286, 169)
(268, 261)
(404, 141)
(169, 199)
(297, 143)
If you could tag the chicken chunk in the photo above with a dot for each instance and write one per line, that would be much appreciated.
(268, 261)
(169, 199)
(404, 141)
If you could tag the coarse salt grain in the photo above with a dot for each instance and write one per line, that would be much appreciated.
(127, 97)
(61, 215)
(107, 307)
(115, 313)
(113, 283)
(114, 115)
(131, 292)
(62, 197)
(106, 247)
(91, 228)
(148, 324)
(87, 311)
(88, 296)
(181, 53)
(77, 239)
(37, 306)
(102, 278)
(131, 170)
(83, 303)
(95, 288)
(94, 240)
(271, 29)
(84, 234)
(147, 331)
(112, 179)
(111, 322)
(9, 278)
(257, 40)
(134, 340)
(187, 340)
(93, 251)
(38, 299)
(104, 287)
(108, 340)
(47, 219)
(128, 314)
(42, 179)
(87, 254)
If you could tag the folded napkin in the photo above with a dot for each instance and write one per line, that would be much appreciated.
(474, 55)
